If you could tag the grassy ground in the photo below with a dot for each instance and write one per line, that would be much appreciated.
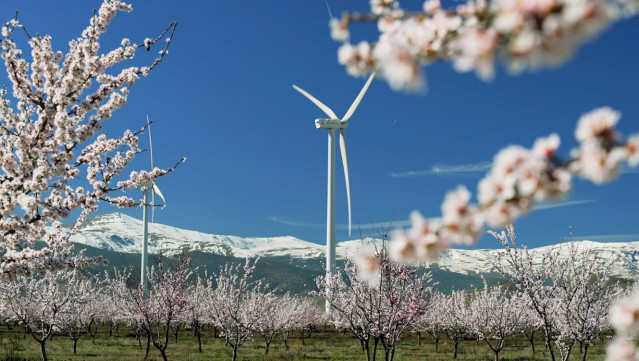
(323, 345)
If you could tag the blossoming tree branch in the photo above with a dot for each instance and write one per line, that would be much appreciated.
(50, 135)
(524, 34)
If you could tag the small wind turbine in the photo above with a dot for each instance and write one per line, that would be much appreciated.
(332, 123)
(145, 216)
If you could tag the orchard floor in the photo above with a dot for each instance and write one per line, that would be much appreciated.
(324, 344)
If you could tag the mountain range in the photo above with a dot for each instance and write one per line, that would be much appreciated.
(118, 236)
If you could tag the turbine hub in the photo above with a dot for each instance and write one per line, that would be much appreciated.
(323, 123)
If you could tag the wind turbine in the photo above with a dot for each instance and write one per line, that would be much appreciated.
(145, 216)
(332, 123)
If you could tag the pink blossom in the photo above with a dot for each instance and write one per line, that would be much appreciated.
(475, 51)
(624, 315)
(597, 123)
(621, 349)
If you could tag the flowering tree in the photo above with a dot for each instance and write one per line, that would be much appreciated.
(50, 134)
(457, 318)
(530, 324)
(431, 321)
(537, 282)
(234, 303)
(569, 292)
(165, 301)
(197, 309)
(585, 296)
(495, 315)
(122, 292)
(39, 304)
(378, 307)
(82, 313)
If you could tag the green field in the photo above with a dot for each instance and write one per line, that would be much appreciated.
(323, 344)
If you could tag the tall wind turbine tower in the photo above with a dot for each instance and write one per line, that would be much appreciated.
(145, 218)
(333, 123)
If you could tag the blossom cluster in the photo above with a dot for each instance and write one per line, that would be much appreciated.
(50, 136)
(473, 35)
(519, 177)
(624, 317)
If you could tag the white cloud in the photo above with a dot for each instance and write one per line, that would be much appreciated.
(363, 226)
(445, 170)
(550, 205)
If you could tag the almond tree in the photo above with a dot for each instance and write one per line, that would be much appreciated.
(40, 303)
(586, 293)
(165, 301)
(536, 281)
(122, 292)
(530, 324)
(431, 321)
(456, 318)
(279, 314)
(303, 315)
(567, 291)
(197, 309)
(495, 315)
(234, 303)
(82, 313)
(51, 135)
(380, 307)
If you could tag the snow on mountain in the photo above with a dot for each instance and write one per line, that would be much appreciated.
(121, 233)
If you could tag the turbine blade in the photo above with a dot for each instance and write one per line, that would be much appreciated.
(148, 122)
(321, 105)
(157, 190)
(342, 148)
(351, 110)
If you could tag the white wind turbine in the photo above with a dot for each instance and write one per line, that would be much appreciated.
(332, 123)
(145, 217)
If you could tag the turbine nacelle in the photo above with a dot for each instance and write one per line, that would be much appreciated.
(325, 123)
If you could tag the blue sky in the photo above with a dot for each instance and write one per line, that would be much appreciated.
(256, 165)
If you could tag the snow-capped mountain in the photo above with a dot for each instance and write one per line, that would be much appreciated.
(121, 233)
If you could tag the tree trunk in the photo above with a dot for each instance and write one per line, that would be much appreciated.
(148, 345)
(419, 338)
(75, 344)
(91, 332)
(585, 352)
(532, 340)
(496, 354)
(163, 353)
(198, 333)
(234, 353)
(392, 354)
(43, 350)
(367, 350)
(268, 345)
(455, 354)
(549, 347)
(375, 348)
(437, 343)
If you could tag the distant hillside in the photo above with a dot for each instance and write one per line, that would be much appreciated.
(291, 264)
